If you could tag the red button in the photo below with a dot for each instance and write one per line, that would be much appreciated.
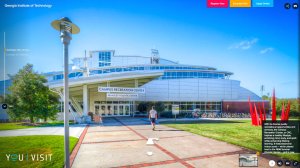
(217, 3)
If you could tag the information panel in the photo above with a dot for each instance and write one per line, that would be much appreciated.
(280, 137)
(175, 109)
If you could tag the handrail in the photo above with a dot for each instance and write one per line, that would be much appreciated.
(76, 105)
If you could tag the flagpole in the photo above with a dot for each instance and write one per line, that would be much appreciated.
(4, 55)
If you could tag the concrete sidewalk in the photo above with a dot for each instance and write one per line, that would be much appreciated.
(75, 131)
(121, 142)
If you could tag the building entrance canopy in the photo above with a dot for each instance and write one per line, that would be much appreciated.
(84, 92)
(126, 79)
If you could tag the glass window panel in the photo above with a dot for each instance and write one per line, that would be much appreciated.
(189, 107)
(179, 74)
(71, 75)
(182, 107)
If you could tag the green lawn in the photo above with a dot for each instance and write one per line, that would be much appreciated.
(54, 123)
(12, 126)
(49, 144)
(237, 132)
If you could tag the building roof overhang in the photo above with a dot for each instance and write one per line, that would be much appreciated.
(124, 79)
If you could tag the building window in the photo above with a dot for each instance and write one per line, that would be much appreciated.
(104, 59)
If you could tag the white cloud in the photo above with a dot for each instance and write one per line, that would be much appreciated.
(266, 50)
(245, 44)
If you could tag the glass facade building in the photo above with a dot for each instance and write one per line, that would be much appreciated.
(189, 86)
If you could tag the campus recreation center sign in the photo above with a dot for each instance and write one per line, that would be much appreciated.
(120, 90)
(122, 95)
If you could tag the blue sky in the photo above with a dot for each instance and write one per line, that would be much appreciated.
(259, 45)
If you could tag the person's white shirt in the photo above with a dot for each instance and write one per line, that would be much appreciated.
(153, 113)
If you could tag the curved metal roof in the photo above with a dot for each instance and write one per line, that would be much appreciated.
(112, 77)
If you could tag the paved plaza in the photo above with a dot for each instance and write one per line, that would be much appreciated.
(121, 142)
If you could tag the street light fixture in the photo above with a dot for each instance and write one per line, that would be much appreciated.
(66, 28)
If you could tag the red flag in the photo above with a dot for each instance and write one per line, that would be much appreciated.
(256, 119)
(273, 106)
(251, 111)
(282, 112)
(264, 111)
(260, 116)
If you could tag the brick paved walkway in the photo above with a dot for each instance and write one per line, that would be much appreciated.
(121, 142)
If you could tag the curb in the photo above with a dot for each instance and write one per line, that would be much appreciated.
(77, 147)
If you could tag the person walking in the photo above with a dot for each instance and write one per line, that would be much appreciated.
(153, 117)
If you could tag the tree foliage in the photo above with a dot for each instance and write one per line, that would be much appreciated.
(147, 106)
(159, 107)
(29, 97)
(295, 105)
(142, 107)
(264, 97)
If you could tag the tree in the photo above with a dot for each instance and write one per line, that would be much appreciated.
(29, 97)
(265, 97)
(149, 105)
(159, 106)
(295, 106)
(142, 107)
(50, 102)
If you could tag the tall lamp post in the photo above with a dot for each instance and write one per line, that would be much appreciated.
(66, 28)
